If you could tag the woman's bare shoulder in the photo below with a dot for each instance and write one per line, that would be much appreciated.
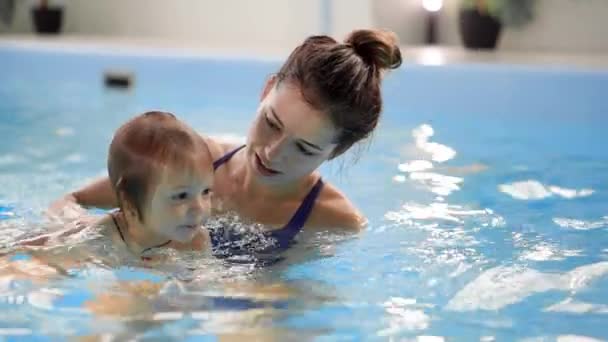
(218, 146)
(333, 210)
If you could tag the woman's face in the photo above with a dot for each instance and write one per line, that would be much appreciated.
(288, 139)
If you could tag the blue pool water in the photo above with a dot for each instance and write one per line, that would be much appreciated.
(486, 187)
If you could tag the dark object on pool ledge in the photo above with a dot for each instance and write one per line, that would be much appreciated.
(47, 20)
(118, 79)
(7, 11)
(478, 31)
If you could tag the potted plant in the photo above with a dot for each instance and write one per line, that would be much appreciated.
(6, 12)
(481, 21)
(47, 19)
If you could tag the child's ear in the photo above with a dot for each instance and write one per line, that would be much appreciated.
(129, 208)
(123, 201)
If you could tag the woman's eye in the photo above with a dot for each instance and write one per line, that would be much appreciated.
(271, 124)
(206, 192)
(304, 150)
(180, 196)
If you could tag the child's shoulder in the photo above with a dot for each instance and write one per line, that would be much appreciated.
(106, 226)
(105, 221)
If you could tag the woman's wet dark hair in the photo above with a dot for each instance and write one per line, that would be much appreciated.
(344, 79)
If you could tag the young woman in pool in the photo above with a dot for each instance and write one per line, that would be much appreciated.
(325, 98)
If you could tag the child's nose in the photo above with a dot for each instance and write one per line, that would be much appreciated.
(199, 206)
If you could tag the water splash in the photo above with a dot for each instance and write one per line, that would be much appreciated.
(438, 152)
(405, 314)
(581, 224)
(534, 190)
(501, 286)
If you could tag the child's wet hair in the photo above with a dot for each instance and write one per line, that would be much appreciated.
(144, 147)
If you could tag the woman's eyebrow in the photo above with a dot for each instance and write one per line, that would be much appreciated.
(310, 144)
(276, 117)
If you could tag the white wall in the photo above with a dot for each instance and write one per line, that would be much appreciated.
(405, 17)
(560, 25)
(217, 23)
(211, 22)
(347, 15)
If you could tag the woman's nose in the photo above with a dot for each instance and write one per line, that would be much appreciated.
(274, 148)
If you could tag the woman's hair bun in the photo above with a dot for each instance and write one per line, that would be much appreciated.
(376, 47)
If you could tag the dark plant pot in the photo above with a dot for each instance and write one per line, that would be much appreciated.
(47, 20)
(478, 31)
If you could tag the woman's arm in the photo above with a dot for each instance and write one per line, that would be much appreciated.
(334, 210)
(97, 194)
(70, 228)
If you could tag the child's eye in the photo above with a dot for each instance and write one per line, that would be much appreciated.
(206, 191)
(180, 196)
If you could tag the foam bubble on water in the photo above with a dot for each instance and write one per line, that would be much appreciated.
(399, 178)
(570, 305)
(47, 167)
(439, 152)
(441, 211)
(439, 184)
(11, 159)
(405, 315)
(399, 301)
(64, 131)
(35, 152)
(501, 286)
(415, 165)
(572, 252)
(544, 251)
(44, 298)
(74, 158)
(429, 338)
(418, 169)
(167, 316)
(571, 193)
(581, 224)
(422, 338)
(537, 339)
(6, 213)
(495, 222)
(534, 190)
(576, 338)
(15, 332)
(526, 190)
(462, 267)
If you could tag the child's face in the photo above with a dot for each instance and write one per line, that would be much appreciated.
(180, 203)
